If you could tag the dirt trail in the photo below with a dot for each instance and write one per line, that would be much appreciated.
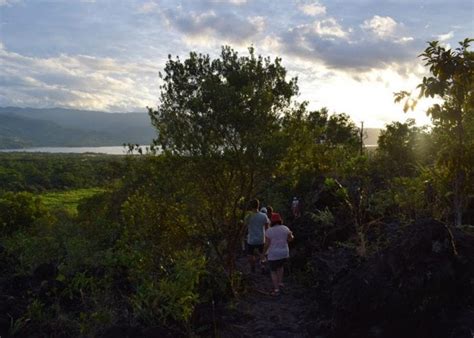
(258, 314)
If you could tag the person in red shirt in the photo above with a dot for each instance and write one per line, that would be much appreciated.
(276, 247)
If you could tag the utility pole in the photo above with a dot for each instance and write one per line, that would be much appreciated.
(361, 135)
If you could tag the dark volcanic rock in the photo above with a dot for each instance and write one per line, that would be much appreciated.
(123, 331)
(46, 271)
(421, 285)
(157, 331)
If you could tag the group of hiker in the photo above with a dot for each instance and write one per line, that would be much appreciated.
(267, 242)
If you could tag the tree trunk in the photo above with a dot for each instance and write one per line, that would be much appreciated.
(458, 198)
(459, 174)
(362, 248)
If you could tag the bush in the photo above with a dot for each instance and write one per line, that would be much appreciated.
(173, 297)
(19, 211)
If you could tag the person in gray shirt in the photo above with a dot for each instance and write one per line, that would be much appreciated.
(256, 223)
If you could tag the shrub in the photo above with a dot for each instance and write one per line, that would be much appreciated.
(173, 297)
(19, 211)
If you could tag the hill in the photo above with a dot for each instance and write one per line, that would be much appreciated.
(27, 127)
(33, 127)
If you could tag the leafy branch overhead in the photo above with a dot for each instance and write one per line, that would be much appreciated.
(451, 80)
(451, 75)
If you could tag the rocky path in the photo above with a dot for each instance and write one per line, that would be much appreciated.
(258, 314)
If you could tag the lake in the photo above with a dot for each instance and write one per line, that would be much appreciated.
(113, 150)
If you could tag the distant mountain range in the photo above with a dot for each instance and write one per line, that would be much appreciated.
(57, 127)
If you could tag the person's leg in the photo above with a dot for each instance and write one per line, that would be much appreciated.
(261, 258)
(274, 276)
(251, 257)
(276, 287)
(280, 276)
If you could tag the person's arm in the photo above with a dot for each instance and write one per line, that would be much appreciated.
(246, 218)
(267, 224)
(290, 237)
(267, 245)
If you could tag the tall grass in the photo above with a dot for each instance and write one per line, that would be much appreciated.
(68, 200)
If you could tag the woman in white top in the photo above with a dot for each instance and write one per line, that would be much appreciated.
(276, 247)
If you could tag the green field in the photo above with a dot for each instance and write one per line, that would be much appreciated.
(68, 200)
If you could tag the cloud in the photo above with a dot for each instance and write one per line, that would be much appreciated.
(329, 28)
(313, 9)
(76, 81)
(238, 2)
(346, 53)
(445, 37)
(258, 22)
(386, 28)
(147, 7)
(59, 58)
(382, 27)
(376, 43)
(209, 25)
(8, 2)
(405, 39)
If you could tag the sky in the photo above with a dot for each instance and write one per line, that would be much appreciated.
(349, 55)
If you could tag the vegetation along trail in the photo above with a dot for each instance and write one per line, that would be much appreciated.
(150, 246)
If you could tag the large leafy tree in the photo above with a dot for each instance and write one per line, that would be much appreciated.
(318, 143)
(224, 105)
(452, 80)
(221, 118)
(402, 147)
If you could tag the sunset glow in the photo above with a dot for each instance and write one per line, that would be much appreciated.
(349, 56)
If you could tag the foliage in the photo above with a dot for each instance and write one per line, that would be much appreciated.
(19, 211)
(32, 250)
(223, 115)
(323, 225)
(154, 236)
(451, 79)
(317, 145)
(355, 190)
(324, 217)
(68, 200)
(40, 172)
(174, 296)
(402, 147)
(222, 105)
